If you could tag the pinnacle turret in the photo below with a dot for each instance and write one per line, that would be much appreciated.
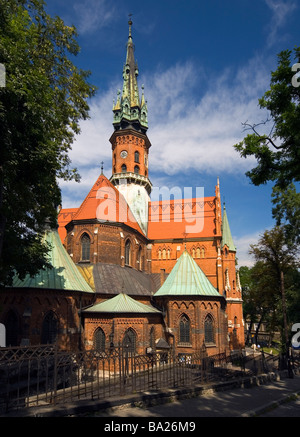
(226, 233)
(129, 111)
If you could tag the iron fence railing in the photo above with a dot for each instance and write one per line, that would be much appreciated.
(45, 375)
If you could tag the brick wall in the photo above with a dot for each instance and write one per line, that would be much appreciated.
(30, 308)
(107, 244)
(119, 324)
(196, 309)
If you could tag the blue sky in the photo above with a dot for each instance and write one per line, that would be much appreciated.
(204, 65)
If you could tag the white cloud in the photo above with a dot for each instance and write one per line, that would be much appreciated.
(243, 245)
(280, 11)
(93, 14)
(198, 133)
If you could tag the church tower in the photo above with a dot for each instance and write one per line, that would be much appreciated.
(130, 144)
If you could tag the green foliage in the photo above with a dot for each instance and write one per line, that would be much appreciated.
(260, 294)
(278, 151)
(44, 99)
(286, 211)
(275, 253)
(274, 282)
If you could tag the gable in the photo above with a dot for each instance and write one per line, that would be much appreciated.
(104, 203)
(182, 218)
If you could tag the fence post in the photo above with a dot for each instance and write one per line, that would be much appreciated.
(55, 372)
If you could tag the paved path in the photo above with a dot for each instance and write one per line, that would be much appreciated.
(240, 402)
(288, 409)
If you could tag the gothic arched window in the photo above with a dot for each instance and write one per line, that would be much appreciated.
(129, 341)
(184, 329)
(124, 168)
(127, 253)
(209, 330)
(99, 340)
(136, 169)
(49, 328)
(85, 247)
(136, 157)
(12, 328)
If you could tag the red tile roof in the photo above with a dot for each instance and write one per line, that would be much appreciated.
(104, 202)
(181, 218)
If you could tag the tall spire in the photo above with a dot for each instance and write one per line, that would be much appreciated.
(129, 111)
(226, 233)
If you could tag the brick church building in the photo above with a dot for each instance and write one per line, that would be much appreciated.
(157, 274)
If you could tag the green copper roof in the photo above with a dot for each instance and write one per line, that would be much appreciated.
(226, 233)
(186, 278)
(122, 303)
(129, 110)
(63, 276)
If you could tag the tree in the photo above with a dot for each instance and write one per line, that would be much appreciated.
(249, 304)
(258, 296)
(44, 98)
(286, 211)
(277, 151)
(280, 259)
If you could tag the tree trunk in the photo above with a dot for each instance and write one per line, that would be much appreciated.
(285, 325)
(249, 332)
(258, 326)
(2, 218)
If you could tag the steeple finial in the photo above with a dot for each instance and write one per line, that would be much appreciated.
(130, 24)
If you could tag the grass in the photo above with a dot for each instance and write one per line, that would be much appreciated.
(268, 350)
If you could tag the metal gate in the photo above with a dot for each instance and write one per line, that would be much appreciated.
(44, 375)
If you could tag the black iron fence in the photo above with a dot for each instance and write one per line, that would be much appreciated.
(45, 375)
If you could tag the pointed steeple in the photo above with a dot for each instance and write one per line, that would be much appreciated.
(187, 279)
(129, 111)
(226, 233)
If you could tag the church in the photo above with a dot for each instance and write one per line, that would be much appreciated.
(152, 273)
